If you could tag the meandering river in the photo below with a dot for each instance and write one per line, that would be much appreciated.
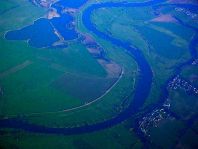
(142, 89)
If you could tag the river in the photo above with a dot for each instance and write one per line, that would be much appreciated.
(141, 93)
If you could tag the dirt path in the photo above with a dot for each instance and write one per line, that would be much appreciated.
(15, 69)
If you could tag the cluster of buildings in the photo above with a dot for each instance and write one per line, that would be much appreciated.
(187, 12)
(153, 119)
(179, 83)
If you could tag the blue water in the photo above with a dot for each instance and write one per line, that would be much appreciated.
(60, 5)
(64, 26)
(70, 3)
(164, 91)
(142, 90)
(39, 35)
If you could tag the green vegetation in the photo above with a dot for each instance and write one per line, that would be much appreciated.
(118, 137)
(165, 135)
(68, 87)
(183, 104)
(190, 73)
(6, 5)
(189, 140)
(140, 30)
(27, 74)
(24, 14)
(29, 77)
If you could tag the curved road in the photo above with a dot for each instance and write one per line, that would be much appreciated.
(142, 88)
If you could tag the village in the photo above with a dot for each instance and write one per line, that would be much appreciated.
(180, 83)
(153, 119)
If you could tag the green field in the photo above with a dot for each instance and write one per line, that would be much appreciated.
(128, 26)
(31, 77)
(69, 87)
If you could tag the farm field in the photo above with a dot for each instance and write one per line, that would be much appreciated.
(83, 74)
